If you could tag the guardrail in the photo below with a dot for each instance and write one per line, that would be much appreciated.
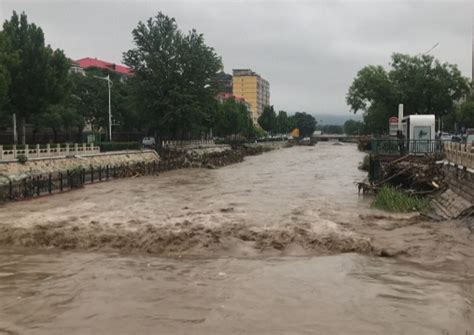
(51, 183)
(48, 150)
(395, 147)
(460, 154)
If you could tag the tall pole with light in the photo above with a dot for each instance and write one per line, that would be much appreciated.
(109, 84)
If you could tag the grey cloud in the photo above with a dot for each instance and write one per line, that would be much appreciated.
(309, 51)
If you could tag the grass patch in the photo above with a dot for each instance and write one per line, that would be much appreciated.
(390, 199)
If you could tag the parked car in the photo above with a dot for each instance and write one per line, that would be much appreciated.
(457, 139)
(148, 141)
(470, 136)
(446, 137)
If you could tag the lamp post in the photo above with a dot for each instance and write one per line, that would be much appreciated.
(109, 84)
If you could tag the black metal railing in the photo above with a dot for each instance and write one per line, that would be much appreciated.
(57, 182)
(394, 147)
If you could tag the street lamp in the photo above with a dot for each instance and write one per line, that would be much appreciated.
(109, 84)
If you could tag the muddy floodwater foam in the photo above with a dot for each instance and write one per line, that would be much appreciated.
(240, 245)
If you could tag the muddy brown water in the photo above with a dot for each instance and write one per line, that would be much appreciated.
(278, 244)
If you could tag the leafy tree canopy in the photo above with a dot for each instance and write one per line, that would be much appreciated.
(306, 123)
(174, 84)
(421, 83)
(268, 119)
(352, 127)
(35, 74)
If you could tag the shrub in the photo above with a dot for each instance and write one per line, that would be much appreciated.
(364, 165)
(393, 200)
(119, 146)
(22, 159)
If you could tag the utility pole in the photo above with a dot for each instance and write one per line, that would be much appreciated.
(110, 110)
(109, 84)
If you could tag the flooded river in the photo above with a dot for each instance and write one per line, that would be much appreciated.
(279, 244)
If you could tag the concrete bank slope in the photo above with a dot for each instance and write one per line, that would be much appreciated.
(16, 171)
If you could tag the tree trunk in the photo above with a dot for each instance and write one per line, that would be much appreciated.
(55, 134)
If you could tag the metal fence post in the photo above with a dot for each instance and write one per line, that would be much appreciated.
(50, 190)
(92, 174)
(61, 181)
(100, 172)
(38, 188)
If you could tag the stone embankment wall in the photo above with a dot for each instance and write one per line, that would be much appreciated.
(460, 181)
(14, 171)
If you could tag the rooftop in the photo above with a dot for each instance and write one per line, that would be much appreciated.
(88, 62)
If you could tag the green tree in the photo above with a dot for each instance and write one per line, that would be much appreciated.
(38, 77)
(282, 123)
(89, 99)
(465, 114)
(174, 83)
(233, 119)
(421, 83)
(306, 123)
(332, 129)
(268, 119)
(352, 127)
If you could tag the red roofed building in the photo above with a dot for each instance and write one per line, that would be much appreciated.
(88, 62)
(224, 96)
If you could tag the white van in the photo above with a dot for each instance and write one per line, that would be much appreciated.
(148, 141)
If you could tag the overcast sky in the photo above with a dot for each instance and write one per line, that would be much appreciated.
(309, 51)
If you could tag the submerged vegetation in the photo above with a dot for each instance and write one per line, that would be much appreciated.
(391, 199)
(364, 164)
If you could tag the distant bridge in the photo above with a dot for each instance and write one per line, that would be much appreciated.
(335, 137)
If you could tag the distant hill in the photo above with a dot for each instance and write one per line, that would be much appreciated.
(336, 119)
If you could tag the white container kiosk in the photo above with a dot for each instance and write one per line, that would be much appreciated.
(419, 131)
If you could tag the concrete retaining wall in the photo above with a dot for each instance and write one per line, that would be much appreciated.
(17, 171)
(461, 181)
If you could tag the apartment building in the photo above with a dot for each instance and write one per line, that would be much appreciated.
(253, 88)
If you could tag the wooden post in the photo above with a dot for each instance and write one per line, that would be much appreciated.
(84, 148)
(67, 149)
(76, 151)
(14, 151)
(1, 152)
(27, 150)
(92, 148)
(58, 149)
(48, 149)
(38, 150)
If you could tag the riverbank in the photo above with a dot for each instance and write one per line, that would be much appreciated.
(40, 177)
